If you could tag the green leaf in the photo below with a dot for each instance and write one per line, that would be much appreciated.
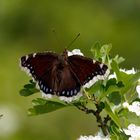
(29, 86)
(129, 80)
(110, 90)
(31, 81)
(105, 49)
(29, 89)
(101, 106)
(96, 89)
(115, 68)
(120, 84)
(115, 98)
(39, 101)
(105, 53)
(129, 117)
(95, 49)
(111, 82)
(28, 92)
(135, 77)
(116, 133)
(42, 106)
(113, 116)
(118, 59)
(25, 92)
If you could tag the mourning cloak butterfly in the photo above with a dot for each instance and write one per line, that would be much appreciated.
(63, 75)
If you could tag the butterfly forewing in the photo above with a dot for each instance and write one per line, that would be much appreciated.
(39, 64)
(85, 68)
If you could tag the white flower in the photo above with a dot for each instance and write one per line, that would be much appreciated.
(135, 107)
(99, 136)
(132, 71)
(75, 52)
(92, 138)
(138, 90)
(111, 76)
(115, 107)
(133, 131)
(126, 105)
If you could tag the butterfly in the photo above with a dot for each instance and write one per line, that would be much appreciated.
(63, 75)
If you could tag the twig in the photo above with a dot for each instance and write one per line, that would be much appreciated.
(102, 123)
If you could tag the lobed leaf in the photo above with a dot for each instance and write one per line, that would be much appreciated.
(115, 98)
(110, 90)
(113, 116)
(42, 106)
(95, 49)
(29, 89)
(129, 117)
(118, 59)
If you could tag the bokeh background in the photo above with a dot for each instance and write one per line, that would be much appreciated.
(27, 26)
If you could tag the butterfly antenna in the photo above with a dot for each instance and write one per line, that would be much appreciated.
(73, 41)
(56, 37)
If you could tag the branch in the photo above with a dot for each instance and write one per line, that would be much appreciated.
(102, 123)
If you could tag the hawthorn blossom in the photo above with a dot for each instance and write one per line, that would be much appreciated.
(138, 90)
(132, 71)
(133, 131)
(75, 52)
(99, 136)
(93, 138)
(111, 76)
(135, 107)
(126, 105)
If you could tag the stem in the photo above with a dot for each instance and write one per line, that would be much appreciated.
(102, 123)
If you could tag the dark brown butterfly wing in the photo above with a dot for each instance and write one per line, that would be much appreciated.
(63, 82)
(40, 65)
(51, 73)
(86, 69)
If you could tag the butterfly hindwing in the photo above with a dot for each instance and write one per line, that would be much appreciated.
(62, 80)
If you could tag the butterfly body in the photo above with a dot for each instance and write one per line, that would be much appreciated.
(62, 75)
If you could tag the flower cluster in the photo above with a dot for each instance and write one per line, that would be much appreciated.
(133, 131)
(138, 90)
(99, 136)
(135, 107)
(75, 52)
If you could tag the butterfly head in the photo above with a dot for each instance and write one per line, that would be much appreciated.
(65, 54)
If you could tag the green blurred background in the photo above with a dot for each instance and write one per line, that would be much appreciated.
(27, 26)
